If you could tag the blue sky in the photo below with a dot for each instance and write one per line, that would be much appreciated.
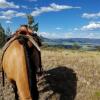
(56, 18)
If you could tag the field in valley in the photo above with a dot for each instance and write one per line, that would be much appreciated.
(68, 75)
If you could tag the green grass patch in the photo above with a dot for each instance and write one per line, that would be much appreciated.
(97, 93)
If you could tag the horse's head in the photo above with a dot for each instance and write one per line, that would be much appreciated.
(24, 30)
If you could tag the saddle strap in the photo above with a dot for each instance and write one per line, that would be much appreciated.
(33, 42)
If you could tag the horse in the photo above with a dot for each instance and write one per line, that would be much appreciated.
(19, 62)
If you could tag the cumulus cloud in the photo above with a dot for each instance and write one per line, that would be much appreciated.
(6, 4)
(52, 7)
(9, 14)
(91, 15)
(91, 26)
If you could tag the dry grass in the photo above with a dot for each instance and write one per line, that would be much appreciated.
(85, 64)
(70, 75)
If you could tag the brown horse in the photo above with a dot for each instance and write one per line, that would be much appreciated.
(19, 62)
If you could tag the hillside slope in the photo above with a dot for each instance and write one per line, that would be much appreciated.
(71, 40)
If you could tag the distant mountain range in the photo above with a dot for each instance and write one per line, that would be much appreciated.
(81, 41)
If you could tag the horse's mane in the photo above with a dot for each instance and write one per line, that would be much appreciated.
(31, 68)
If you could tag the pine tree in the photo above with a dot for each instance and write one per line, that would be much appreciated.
(8, 31)
(2, 36)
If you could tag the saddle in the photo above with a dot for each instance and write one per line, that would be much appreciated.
(27, 32)
(33, 38)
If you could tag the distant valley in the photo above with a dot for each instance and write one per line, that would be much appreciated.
(88, 43)
(83, 41)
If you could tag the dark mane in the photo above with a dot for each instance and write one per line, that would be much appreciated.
(31, 68)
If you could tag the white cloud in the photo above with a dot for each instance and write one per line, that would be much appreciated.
(91, 26)
(6, 4)
(49, 35)
(91, 15)
(32, 0)
(59, 28)
(25, 7)
(3, 17)
(8, 22)
(53, 7)
(20, 14)
(76, 29)
(9, 14)
(70, 35)
(56, 35)
(91, 35)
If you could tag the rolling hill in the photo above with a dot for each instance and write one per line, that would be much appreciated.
(81, 41)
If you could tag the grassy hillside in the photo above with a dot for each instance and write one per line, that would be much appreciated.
(69, 75)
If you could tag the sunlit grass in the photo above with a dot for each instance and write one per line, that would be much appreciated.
(86, 65)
